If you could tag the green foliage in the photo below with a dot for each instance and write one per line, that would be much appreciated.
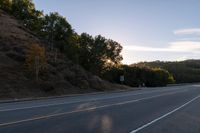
(136, 76)
(113, 74)
(57, 30)
(23, 9)
(6, 5)
(99, 53)
(86, 43)
(159, 77)
(183, 72)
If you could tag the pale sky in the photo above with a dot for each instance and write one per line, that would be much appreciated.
(148, 30)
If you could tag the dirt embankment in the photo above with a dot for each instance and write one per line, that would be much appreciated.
(62, 77)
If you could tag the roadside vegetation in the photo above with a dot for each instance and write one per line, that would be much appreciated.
(187, 71)
(139, 76)
(99, 55)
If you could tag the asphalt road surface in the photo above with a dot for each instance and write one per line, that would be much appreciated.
(152, 110)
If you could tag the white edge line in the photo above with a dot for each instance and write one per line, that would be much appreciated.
(82, 110)
(163, 116)
(90, 100)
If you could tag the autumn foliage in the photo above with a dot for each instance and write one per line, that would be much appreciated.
(36, 59)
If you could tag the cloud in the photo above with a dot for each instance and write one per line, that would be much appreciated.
(190, 39)
(178, 46)
(185, 46)
(191, 31)
(142, 48)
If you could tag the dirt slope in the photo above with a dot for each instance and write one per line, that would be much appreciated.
(62, 77)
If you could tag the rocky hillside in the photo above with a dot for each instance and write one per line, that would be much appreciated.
(62, 77)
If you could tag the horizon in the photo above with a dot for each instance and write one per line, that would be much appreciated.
(148, 31)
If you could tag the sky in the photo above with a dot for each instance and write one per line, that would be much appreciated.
(148, 30)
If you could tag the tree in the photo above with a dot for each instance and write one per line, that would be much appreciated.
(98, 54)
(136, 76)
(6, 5)
(57, 30)
(86, 42)
(159, 77)
(23, 9)
(35, 22)
(113, 57)
(36, 59)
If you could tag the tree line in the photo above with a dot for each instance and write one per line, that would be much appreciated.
(99, 55)
(187, 71)
(139, 76)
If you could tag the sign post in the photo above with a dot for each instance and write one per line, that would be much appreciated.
(122, 79)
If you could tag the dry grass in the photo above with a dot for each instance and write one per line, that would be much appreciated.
(61, 78)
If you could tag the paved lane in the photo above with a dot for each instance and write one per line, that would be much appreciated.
(113, 112)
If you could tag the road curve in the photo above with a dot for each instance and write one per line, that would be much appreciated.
(168, 110)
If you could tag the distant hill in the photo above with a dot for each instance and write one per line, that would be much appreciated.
(62, 77)
(187, 71)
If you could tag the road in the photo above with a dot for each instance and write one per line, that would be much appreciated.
(173, 109)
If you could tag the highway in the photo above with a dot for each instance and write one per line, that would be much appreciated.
(174, 109)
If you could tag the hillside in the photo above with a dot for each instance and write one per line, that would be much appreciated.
(187, 71)
(62, 77)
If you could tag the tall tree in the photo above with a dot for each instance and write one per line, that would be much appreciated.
(97, 54)
(57, 29)
(86, 42)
